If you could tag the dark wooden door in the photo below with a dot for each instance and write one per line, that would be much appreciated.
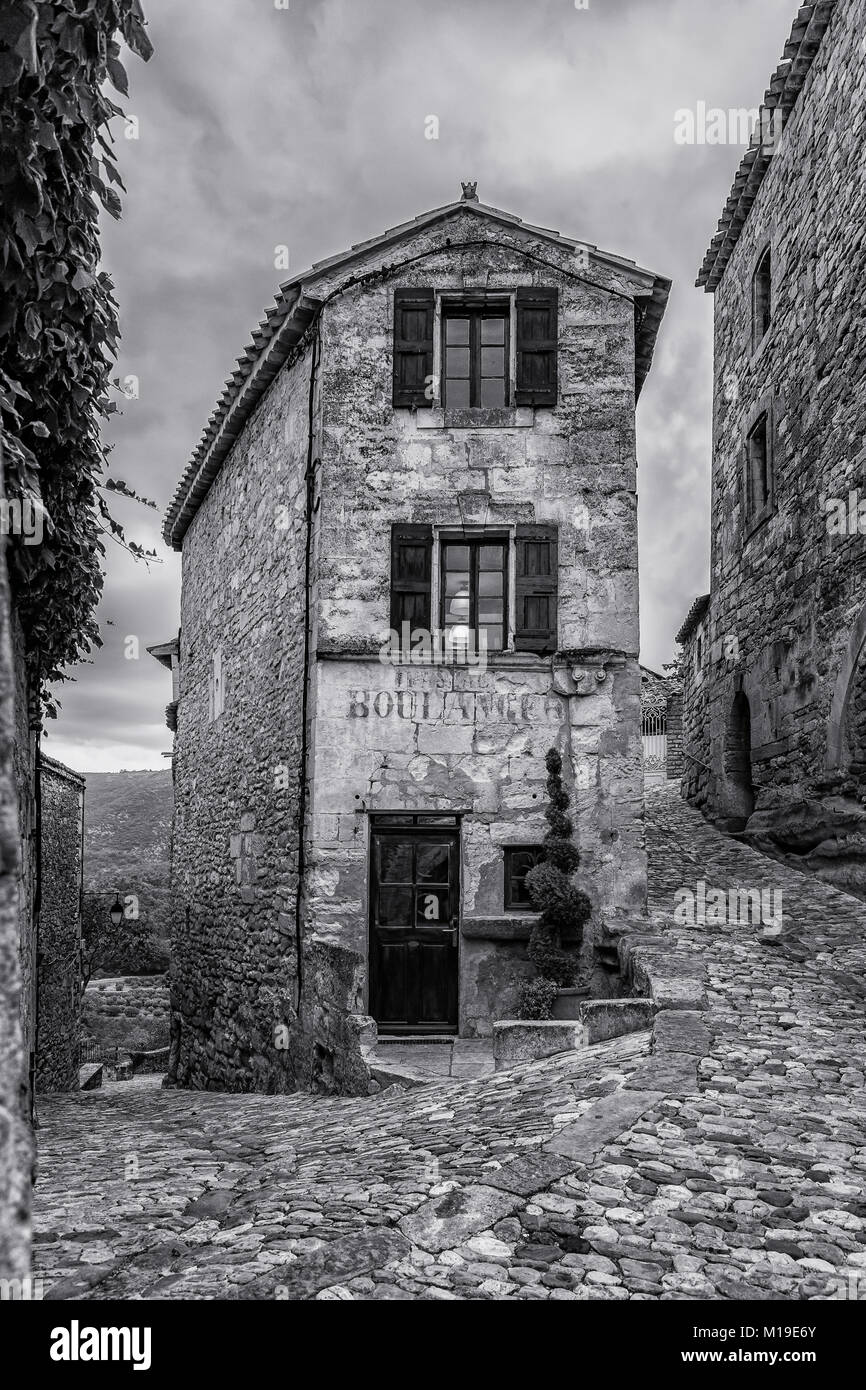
(414, 919)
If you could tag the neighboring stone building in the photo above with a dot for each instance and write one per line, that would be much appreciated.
(774, 657)
(58, 955)
(435, 429)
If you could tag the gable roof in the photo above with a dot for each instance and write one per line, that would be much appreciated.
(296, 305)
(786, 82)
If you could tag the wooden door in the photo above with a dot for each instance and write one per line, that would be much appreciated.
(414, 921)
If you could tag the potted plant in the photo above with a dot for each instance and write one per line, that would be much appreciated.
(563, 908)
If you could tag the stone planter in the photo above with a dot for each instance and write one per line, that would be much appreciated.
(525, 1041)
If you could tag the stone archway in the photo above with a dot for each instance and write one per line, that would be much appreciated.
(738, 758)
(849, 683)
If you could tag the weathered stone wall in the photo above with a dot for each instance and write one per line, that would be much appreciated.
(17, 947)
(235, 835)
(58, 1019)
(786, 598)
(675, 761)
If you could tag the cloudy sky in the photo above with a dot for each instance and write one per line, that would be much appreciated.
(304, 126)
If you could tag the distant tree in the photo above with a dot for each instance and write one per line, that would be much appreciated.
(129, 948)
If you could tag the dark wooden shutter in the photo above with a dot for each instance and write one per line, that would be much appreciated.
(413, 348)
(536, 589)
(411, 554)
(537, 330)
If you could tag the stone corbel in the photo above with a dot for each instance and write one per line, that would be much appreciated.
(590, 669)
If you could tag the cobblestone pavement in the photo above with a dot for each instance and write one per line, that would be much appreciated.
(720, 1157)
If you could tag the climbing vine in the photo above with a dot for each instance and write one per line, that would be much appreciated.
(58, 315)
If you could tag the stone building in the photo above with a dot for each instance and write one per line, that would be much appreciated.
(58, 942)
(774, 660)
(409, 568)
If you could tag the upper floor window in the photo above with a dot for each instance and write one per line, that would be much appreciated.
(475, 357)
(485, 340)
(762, 293)
(470, 574)
(473, 579)
(759, 489)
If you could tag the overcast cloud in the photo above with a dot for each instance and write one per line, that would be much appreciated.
(305, 126)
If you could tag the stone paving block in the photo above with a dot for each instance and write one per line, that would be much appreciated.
(335, 1263)
(531, 1173)
(605, 1120)
(449, 1220)
(681, 1030)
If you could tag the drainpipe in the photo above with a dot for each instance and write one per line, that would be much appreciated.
(310, 480)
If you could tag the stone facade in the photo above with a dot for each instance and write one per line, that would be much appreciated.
(771, 660)
(287, 570)
(58, 984)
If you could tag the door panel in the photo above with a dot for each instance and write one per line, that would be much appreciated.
(414, 919)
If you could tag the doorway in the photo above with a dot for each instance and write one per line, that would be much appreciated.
(414, 923)
(738, 758)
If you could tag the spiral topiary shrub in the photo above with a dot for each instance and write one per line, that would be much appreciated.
(562, 906)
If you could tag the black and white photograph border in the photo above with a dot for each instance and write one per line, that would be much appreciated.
(433, 760)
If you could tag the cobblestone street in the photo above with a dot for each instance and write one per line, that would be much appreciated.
(720, 1157)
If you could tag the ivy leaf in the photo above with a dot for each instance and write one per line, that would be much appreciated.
(11, 68)
(117, 73)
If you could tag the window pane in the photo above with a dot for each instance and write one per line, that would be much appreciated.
(457, 557)
(491, 557)
(457, 331)
(395, 907)
(493, 391)
(457, 362)
(395, 861)
(489, 582)
(456, 394)
(490, 610)
(493, 361)
(492, 330)
(494, 636)
(432, 863)
(431, 906)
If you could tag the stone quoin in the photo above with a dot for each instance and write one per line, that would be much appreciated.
(436, 428)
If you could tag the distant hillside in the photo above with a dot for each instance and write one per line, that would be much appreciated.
(127, 832)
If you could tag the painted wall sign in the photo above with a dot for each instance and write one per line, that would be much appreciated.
(455, 706)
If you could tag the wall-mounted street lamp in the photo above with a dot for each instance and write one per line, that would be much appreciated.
(116, 912)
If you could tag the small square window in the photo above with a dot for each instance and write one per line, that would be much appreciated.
(519, 859)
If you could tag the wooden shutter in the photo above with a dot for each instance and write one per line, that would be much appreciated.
(411, 555)
(537, 330)
(536, 589)
(413, 348)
